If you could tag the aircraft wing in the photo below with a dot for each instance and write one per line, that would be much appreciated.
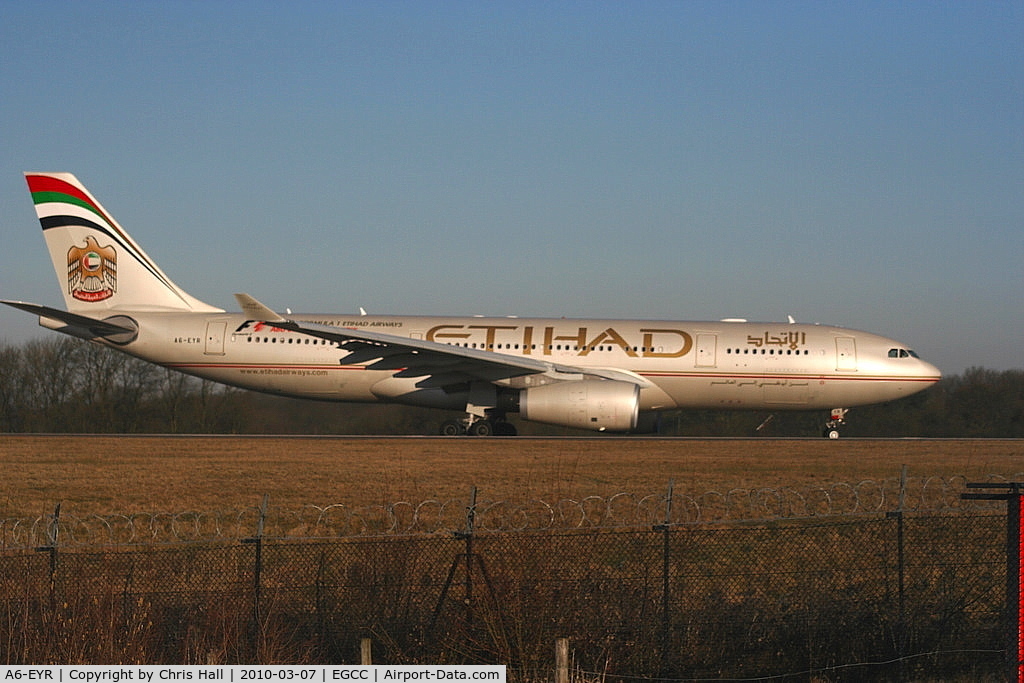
(439, 364)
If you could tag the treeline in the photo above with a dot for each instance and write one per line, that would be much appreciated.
(979, 403)
(64, 385)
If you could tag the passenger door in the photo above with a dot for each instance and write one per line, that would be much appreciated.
(846, 354)
(215, 338)
(706, 350)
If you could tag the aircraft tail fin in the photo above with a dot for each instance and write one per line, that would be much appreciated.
(99, 266)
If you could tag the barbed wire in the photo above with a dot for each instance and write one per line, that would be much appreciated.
(434, 516)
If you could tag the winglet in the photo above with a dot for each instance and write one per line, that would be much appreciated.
(258, 311)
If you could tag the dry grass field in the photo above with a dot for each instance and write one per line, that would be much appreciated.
(786, 598)
(126, 474)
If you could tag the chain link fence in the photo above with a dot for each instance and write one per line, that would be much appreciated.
(644, 587)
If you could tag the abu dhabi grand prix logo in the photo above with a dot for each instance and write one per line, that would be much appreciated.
(92, 271)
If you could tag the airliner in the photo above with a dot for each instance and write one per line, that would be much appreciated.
(612, 376)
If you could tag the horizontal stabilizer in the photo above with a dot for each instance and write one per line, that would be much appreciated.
(97, 328)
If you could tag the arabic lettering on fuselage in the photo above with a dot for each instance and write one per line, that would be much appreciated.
(528, 339)
(793, 340)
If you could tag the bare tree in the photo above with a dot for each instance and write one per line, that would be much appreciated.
(50, 368)
(12, 377)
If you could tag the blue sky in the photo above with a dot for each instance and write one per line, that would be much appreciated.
(859, 164)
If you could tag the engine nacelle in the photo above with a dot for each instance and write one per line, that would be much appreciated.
(597, 404)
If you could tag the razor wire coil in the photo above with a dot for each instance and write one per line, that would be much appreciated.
(916, 495)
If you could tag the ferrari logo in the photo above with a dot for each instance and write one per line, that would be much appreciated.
(92, 271)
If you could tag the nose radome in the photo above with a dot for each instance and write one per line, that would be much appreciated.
(929, 370)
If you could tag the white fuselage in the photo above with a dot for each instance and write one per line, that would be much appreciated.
(732, 365)
(598, 375)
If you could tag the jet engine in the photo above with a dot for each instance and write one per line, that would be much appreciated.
(597, 404)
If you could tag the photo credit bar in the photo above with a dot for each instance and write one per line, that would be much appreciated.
(240, 673)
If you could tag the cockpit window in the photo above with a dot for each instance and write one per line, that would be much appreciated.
(902, 353)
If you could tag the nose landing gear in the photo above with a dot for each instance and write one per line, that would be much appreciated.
(836, 420)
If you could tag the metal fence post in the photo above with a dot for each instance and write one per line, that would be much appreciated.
(1014, 574)
(470, 525)
(469, 559)
(665, 528)
(52, 538)
(898, 515)
(321, 600)
(466, 535)
(1014, 497)
(257, 573)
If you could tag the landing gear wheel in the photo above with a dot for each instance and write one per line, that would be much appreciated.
(831, 434)
(481, 428)
(452, 428)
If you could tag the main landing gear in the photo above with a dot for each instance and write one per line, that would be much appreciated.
(473, 426)
(837, 419)
(485, 413)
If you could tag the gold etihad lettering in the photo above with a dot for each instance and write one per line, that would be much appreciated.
(551, 339)
(491, 332)
(652, 342)
(652, 337)
(610, 337)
